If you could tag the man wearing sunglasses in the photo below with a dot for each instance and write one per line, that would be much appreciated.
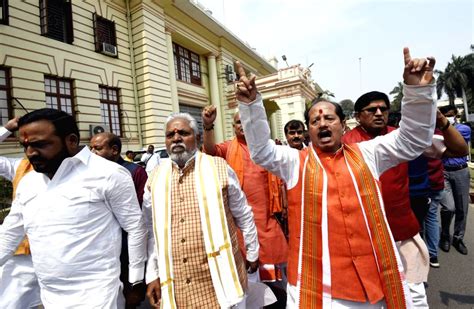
(371, 112)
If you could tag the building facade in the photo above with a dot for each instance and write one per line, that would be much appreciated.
(125, 65)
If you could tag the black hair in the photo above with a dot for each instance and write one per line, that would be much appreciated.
(293, 125)
(64, 124)
(127, 152)
(339, 111)
(370, 97)
(447, 108)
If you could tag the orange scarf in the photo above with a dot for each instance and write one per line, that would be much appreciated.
(24, 167)
(314, 265)
(235, 159)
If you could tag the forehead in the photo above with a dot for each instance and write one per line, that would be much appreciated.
(179, 124)
(37, 130)
(376, 103)
(322, 107)
(99, 139)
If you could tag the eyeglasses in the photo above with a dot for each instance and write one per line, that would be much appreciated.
(293, 132)
(373, 110)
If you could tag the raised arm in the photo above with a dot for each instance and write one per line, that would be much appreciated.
(455, 144)
(280, 160)
(8, 166)
(209, 114)
(418, 119)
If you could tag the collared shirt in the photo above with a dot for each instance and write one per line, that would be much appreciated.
(239, 208)
(73, 224)
(459, 161)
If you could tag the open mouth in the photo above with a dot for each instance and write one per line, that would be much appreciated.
(178, 148)
(325, 135)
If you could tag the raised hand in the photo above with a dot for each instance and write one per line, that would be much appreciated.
(246, 91)
(418, 71)
(208, 114)
(12, 124)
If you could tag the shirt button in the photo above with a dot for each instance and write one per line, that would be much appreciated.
(188, 281)
(182, 220)
(180, 180)
(185, 260)
(181, 199)
(183, 240)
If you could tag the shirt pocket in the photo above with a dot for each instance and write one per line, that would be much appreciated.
(72, 207)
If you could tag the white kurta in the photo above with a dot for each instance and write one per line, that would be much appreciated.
(381, 153)
(18, 283)
(73, 224)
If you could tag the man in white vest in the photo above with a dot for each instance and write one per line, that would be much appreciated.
(193, 204)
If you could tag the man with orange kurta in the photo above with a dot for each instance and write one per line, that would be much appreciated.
(261, 189)
(346, 255)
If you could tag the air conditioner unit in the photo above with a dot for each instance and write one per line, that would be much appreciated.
(230, 77)
(109, 49)
(96, 129)
(229, 68)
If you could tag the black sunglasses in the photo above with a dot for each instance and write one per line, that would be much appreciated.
(373, 110)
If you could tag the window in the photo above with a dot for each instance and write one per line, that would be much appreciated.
(110, 109)
(5, 96)
(56, 20)
(4, 12)
(59, 94)
(187, 65)
(105, 39)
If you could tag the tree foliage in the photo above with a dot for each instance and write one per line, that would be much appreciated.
(347, 107)
(457, 80)
(397, 92)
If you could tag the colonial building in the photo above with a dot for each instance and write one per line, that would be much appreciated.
(124, 65)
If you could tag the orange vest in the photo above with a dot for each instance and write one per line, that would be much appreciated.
(395, 192)
(24, 167)
(354, 273)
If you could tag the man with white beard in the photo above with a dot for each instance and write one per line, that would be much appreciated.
(193, 204)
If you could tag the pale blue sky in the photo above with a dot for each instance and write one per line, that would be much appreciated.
(334, 34)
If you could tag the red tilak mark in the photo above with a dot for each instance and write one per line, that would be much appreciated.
(320, 111)
(25, 138)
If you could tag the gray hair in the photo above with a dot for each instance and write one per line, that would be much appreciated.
(186, 116)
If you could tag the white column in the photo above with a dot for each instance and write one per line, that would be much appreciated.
(214, 93)
(173, 85)
(274, 125)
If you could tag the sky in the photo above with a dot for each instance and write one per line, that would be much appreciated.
(356, 45)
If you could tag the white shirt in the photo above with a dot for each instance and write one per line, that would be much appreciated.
(73, 224)
(240, 209)
(8, 166)
(152, 162)
(381, 153)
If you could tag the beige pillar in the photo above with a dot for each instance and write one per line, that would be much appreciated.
(214, 94)
(172, 74)
(274, 124)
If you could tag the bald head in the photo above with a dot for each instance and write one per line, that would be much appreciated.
(238, 129)
(106, 145)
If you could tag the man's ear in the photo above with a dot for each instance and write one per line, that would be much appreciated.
(72, 143)
(356, 116)
(115, 150)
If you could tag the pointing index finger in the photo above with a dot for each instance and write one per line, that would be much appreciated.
(240, 69)
(406, 55)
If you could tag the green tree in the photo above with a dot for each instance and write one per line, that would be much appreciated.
(347, 107)
(326, 94)
(457, 80)
(397, 92)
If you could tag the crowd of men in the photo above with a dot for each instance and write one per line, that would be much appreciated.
(348, 220)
